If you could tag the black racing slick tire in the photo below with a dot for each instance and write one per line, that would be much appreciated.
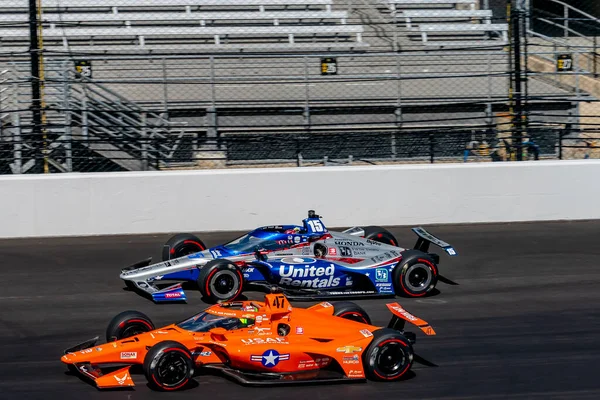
(351, 311)
(388, 357)
(181, 245)
(415, 275)
(168, 366)
(220, 281)
(379, 234)
(127, 324)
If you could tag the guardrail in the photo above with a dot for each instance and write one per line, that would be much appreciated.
(218, 200)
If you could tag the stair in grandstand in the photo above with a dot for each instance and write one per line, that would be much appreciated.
(429, 24)
(80, 112)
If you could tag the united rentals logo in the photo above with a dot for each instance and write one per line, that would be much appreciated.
(319, 277)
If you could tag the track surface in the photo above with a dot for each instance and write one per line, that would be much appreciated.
(524, 323)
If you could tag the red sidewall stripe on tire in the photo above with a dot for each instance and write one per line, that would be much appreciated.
(181, 384)
(353, 313)
(239, 274)
(214, 271)
(434, 271)
(194, 242)
(136, 320)
(401, 372)
(237, 270)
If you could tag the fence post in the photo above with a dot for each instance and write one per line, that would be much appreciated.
(84, 119)
(144, 135)
(431, 148)
(165, 87)
(594, 57)
(36, 94)
(560, 139)
(518, 88)
(17, 145)
(68, 119)
(306, 113)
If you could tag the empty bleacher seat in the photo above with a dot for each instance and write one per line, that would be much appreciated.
(410, 15)
(113, 24)
(395, 4)
(454, 29)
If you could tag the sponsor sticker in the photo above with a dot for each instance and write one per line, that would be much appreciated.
(356, 374)
(349, 349)
(121, 380)
(345, 251)
(350, 359)
(270, 358)
(128, 355)
(366, 332)
(299, 330)
(173, 295)
(404, 313)
(381, 274)
(308, 276)
(348, 243)
(332, 251)
(275, 340)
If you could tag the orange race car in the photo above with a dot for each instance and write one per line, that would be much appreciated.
(254, 343)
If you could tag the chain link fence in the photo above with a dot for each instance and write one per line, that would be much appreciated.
(117, 85)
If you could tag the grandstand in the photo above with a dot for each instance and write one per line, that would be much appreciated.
(175, 81)
(129, 25)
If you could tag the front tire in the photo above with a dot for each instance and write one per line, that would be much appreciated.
(379, 234)
(220, 281)
(351, 311)
(127, 324)
(168, 366)
(415, 275)
(181, 245)
(388, 357)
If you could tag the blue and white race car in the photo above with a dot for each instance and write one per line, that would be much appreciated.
(305, 262)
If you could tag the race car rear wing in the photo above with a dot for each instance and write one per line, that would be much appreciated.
(401, 316)
(426, 238)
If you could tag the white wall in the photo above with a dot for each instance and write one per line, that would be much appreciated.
(152, 202)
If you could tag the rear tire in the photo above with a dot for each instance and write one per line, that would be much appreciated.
(181, 245)
(168, 366)
(220, 281)
(351, 311)
(388, 357)
(379, 234)
(127, 324)
(415, 275)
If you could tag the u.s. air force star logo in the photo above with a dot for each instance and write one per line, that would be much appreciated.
(270, 358)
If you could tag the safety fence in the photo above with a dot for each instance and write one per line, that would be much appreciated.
(368, 146)
(134, 85)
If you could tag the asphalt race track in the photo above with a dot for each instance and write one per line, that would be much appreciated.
(523, 323)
